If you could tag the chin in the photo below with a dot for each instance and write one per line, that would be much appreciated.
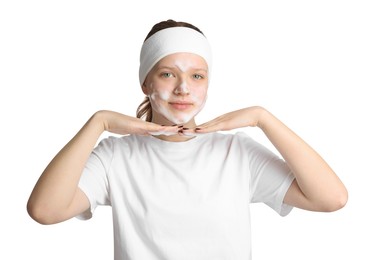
(184, 118)
(178, 122)
(184, 121)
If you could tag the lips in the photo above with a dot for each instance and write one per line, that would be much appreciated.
(181, 105)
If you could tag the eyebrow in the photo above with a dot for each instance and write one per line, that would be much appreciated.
(176, 67)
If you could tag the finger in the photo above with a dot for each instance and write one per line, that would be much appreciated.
(189, 132)
(164, 130)
(212, 126)
(208, 129)
(213, 121)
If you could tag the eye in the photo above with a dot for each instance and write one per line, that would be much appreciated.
(166, 74)
(198, 76)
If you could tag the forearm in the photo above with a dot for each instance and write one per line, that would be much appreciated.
(57, 185)
(317, 181)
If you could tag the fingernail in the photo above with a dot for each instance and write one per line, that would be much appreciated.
(197, 128)
(185, 128)
(174, 125)
(180, 126)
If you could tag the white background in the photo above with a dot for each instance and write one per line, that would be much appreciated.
(308, 62)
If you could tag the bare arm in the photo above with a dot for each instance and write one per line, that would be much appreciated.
(56, 196)
(316, 186)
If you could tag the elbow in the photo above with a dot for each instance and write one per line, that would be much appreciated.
(342, 200)
(40, 214)
(336, 202)
(37, 215)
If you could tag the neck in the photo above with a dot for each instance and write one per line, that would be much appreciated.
(174, 138)
(177, 137)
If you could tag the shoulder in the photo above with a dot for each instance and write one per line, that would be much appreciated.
(111, 143)
(117, 144)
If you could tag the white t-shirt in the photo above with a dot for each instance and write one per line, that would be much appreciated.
(184, 200)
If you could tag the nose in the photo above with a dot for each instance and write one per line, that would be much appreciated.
(182, 88)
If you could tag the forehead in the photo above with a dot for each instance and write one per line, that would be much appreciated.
(182, 59)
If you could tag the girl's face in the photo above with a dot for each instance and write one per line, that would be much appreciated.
(177, 88)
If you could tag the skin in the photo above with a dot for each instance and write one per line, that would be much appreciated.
(56, 196)
(177, 88)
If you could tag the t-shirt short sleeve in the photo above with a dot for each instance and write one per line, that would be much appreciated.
(270, 178)
(94, 181)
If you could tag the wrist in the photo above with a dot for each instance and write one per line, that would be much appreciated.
(263, 116)
(99, 120)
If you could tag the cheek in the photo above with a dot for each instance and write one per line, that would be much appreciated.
(158, 94)
(164, 95)
(199, 95)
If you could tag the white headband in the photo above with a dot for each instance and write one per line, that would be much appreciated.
(169, 41)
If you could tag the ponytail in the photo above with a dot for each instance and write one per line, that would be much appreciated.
(144, 110)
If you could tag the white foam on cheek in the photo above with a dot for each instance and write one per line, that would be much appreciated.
(162, 96)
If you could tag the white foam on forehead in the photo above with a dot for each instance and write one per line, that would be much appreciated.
(169, 41)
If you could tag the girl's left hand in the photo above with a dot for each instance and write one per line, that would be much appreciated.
(316, 186)
(240, 118)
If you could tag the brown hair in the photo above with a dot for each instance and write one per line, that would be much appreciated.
(144, 110)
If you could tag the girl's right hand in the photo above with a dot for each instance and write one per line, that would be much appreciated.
(56, 196)
(122, 124)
